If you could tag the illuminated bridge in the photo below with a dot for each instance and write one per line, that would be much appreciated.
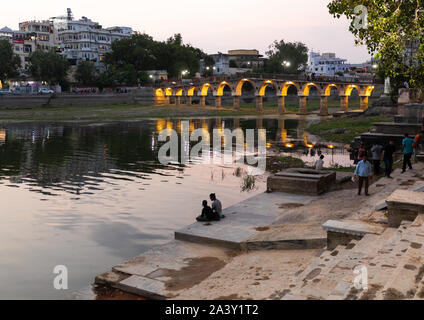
(182, 94)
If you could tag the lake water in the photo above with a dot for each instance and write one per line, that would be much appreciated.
(88, 196)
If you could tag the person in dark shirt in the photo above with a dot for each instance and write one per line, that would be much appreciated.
(388, 157)
(207, 213)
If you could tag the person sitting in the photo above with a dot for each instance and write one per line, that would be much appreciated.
(207, 213)
(216, 206)
(319, 164)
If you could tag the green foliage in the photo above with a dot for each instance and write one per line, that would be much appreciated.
(49, 67)
(143, 53)
(392, 25)
(9, 62)
(296, 53)
(86, 73)
(248, 183)
(353, 128)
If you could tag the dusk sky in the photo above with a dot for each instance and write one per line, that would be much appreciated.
(213, 26)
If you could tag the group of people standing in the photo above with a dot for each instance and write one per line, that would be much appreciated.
(365, 170)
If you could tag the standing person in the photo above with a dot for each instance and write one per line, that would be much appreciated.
(216, 206)
(388, 157)
(363, 171)
(408, 149)
(418, 140)
(376, 150)
(361, 152)
(319, 164)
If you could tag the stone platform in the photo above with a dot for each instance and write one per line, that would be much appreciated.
(404, 205)
(302, 181)
(343, 232)
(243, 220)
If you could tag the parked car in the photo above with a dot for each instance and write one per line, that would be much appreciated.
(45, 91)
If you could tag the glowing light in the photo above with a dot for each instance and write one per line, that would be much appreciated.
(310, 146)
(268, 145)
(289, 145)
(330, 146)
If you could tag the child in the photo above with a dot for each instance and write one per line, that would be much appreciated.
(207, 213)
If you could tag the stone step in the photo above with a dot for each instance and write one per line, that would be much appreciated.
(329, 286)
(342, 232)
(314, 269)
(404, 284)
(397, 128)
(404, 205)
(371, 246)
(319, 285)
(382, 138)
(381, 267)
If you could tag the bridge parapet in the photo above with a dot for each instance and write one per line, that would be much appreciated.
(217, 87)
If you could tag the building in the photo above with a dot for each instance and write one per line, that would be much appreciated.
(326, 64)
(157, 75)
(246, 59)
(84, 39)
(222, 64)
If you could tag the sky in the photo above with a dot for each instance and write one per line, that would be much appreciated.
(214, 26)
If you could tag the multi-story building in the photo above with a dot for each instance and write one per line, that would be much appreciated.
(248, 59)
(326, 64)
(84, 39)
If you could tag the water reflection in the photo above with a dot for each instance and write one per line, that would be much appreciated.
(90, 195)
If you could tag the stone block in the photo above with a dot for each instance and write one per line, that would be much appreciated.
(145, 287)
(302, 181)
(343, 232)
(404, 205)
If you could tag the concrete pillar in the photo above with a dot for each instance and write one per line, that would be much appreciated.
(344, 103)
(203, 101)
(189, 100)
(281, 104)
(167, 100)
(364, 102)
(237, 102)
(259, 104)
(236, 123)
(178, 100)
(303, 105)
(218, 101)
(324, 106)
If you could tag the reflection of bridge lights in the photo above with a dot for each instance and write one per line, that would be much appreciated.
(330, 146)
(269, 145)
(289, 145)
(310, 146)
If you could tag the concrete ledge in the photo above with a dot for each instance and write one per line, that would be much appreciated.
(302, 181)
(343, 232)
(404, 205)
(145, 287)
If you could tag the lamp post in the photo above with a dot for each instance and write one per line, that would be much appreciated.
(285, 64)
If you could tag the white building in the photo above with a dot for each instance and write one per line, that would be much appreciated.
(326, 64)
(85, 40)
(222, 64)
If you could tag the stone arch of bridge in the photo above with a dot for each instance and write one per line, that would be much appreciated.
(286, 87)
(328, 88)
(221, 87)
(205, 89)
(239, 86)
(160, 98)
(307, 88)
(266, 84)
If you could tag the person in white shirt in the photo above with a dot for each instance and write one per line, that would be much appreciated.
(319, 164)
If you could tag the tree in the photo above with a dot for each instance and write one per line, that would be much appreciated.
(48, 66)
(9, 62)
(286, 57)
(391, 30)
(144, 53)
(86, 73)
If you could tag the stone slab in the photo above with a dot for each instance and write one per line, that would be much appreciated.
(241, 220)
(145, 287)
(407, 197)
(381, 206)
(356, 228)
